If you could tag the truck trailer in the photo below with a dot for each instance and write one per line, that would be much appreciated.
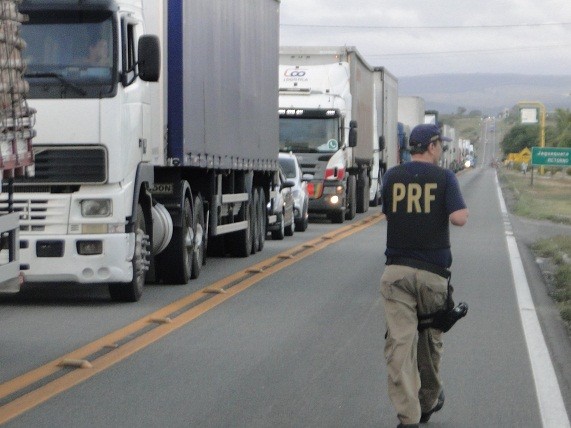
(410, 113)
(326, 97)
(386, 101)
(157, 138)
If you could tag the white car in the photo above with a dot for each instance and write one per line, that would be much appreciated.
(292, 171)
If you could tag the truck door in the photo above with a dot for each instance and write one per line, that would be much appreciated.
(136, 106)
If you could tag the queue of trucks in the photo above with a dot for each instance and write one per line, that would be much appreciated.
(158, 136)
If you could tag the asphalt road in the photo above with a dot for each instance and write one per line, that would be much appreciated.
(300, 347)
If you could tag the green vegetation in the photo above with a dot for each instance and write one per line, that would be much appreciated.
(558, 249)
(548, 199)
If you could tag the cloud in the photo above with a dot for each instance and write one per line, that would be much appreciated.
(445, 36)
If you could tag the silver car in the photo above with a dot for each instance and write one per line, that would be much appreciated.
(292, 171)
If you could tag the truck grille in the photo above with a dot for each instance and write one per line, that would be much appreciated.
(68, 165)
(37, 214)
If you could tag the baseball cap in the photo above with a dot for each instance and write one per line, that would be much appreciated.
(424, 134)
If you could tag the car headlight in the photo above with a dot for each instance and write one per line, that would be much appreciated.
(96, 207)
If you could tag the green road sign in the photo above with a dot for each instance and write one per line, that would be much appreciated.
(551, 156)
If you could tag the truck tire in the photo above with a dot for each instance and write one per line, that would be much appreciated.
(240, 242)
(279, 234)
(376, 201)
(254, 222)
(363, 193)
(351, 198)
(132, 291)
(262, 217)
(175, 262)
(200, 238)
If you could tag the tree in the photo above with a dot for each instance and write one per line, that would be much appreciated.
(563, 127)
(520, 137)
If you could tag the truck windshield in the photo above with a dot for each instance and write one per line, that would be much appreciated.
(309, 135)
(70, 54)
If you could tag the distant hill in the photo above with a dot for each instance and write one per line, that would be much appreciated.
(489, 93)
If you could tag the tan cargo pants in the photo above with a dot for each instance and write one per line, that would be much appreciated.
(413, 358)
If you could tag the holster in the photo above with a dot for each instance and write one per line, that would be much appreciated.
(443, 319)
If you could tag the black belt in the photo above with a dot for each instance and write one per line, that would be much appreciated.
(419, 264)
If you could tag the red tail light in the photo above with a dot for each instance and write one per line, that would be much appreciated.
(315, 190)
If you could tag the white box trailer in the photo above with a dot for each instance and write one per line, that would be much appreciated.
(386, 95)
(410, 113)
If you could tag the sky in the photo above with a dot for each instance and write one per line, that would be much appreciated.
(419, 37)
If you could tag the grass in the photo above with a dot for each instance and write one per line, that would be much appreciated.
(548, 199)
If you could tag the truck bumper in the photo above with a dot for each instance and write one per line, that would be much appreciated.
(56, 259)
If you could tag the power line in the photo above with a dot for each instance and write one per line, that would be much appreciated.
(474, 51)
(427, 27)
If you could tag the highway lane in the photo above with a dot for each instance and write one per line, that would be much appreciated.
(302, 347)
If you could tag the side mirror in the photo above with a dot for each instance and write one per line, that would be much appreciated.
(353, 133)
(381, 143)
(286, 184)
(149, 54)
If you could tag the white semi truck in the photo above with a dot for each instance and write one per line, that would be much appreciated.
(16, 134)
(327, 96)
(157, 138)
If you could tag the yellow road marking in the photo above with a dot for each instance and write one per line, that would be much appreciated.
(165, 322)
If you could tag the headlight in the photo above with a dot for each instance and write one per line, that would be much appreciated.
(96, 208)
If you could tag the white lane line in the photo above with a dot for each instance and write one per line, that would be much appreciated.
(551, 404)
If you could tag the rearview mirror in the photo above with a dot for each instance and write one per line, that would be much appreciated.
(149, 54)
(353, 133)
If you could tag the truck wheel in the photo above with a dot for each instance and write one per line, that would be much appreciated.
(363, 194)
(200, 238)
(175, 262)
(240, 242)
(377, 198)
(279, 234)
(254, 222)
(262, 217)
(132, 291)
(351, 198)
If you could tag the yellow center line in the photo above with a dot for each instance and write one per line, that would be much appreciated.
(167, 324)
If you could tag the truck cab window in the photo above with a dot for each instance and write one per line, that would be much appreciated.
(129, 53)
(309, 135)
(70, 54)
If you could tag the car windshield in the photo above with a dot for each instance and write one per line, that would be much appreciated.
(309, 135)
(288, 167)
(69, 54)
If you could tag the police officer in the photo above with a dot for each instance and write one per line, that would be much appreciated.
(420, 200)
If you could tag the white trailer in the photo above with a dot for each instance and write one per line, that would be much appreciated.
(386, 96)
(410, 113)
